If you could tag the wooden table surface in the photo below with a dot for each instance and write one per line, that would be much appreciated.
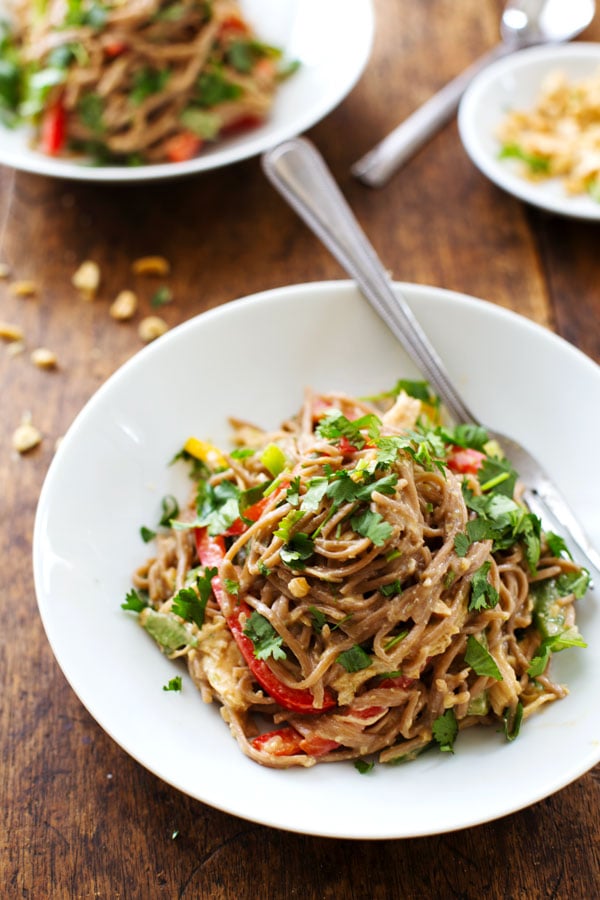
(81, 818)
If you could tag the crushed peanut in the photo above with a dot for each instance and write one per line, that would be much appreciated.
(152, 327)
(43, 358)
(299, 587)
(151, 265)
(124, 306)
(26, 436)
(87, 279)
(4, 270)
(23, 289)
(10, 332)
(559, 136)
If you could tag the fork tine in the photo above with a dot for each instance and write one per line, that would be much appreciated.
(559, 516)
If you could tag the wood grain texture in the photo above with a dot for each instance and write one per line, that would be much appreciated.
(80, 818)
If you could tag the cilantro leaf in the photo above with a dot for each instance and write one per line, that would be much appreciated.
(319, 619)
(147, 534)
(461, 544)
(444, 730)
(552, 644)
(147, 81)
(467, 435)
(134, 601)
(373, 526)
(481, 661)
(190, 605)
(354, 659)
(483, 594)
(336, 426)
(217, 507)
(212, 88)
(284, 529)
(267, 642)
(174, 684)
(392, 589)
(297, 550)
(363, 766)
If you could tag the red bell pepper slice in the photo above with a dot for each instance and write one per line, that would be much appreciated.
(253, 513)
(54, 128)
(241, 124)
(288, 742)
(182, 146)
(465, 460)
(211, 552)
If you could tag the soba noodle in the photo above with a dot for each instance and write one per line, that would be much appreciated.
(362, 581)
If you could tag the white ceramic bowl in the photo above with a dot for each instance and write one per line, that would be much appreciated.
(514, 83)
(331, 40)
(252, 359)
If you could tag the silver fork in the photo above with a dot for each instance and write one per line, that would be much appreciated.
(299, 173)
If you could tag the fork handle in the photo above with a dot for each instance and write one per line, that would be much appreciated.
(380, 163)
(300, 174)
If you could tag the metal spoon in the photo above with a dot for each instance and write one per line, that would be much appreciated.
(524, 23)
(299, 173)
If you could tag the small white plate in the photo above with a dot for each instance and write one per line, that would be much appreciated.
(514, 83)
(252, 359)
(331, 39)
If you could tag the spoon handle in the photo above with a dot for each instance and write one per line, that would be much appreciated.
(380, 163)
(298, 171)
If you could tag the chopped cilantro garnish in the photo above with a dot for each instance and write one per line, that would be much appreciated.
(170, 510)
(212, 88)
(461, 544)
(444, 730)
(390, 590)
(373, 526)
(319, 619)
(363, 766)
(481, 661)
(552, 644)
(297, 550)
(174, 684)
(147, 534)
(503, 521)
(336, 426)
(483, 594)
(267, 642)
(91, 109)
(354, 659)
(217, 507)
(190, 605)
(284, 529)
(264, 570)
(232, 587)
(147, 81)
(134, 601)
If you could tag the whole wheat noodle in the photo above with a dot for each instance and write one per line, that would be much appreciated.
(416, 632)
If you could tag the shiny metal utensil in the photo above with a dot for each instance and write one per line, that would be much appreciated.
(524, 23)
(299, 173)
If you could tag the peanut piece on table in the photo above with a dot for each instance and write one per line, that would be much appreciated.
(151, 328)
(151, 265)
(124, 306)
(87, 279)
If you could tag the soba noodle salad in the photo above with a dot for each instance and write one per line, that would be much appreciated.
(134, 81)
(362, 583)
